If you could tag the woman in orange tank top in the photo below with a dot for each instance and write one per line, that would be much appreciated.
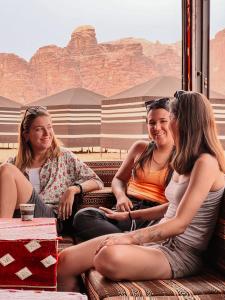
(139, 183)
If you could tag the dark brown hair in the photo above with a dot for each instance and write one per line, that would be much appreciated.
(197, 131)
(146, 156)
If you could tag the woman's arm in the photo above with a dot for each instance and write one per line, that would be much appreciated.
(151, 213)
(204, 177)
(84, 175)
(83, 180)
(120, 180)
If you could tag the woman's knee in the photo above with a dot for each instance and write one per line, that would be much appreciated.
(63, 263)
(108, 262)
(7, 169)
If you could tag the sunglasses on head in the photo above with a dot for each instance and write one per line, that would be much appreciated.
(33, 110)
(156, 103)
(178, 94)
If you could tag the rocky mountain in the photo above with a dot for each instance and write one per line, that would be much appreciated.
(105, 68)
(217, 62)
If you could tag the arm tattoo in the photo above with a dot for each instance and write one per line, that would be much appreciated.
(148, 235)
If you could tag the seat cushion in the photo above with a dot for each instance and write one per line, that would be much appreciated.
(197, 297)
(208, 283)
(216, 252)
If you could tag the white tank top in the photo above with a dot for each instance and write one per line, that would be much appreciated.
(199, 231)
(34, 178)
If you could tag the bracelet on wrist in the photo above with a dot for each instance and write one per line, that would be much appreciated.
(81, 189)
(130, 216)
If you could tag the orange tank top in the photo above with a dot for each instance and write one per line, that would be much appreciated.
(148, 185)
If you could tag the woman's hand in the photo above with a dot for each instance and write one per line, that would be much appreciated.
(124, 204)
(66, 202)
(119, 239)
(115, 215)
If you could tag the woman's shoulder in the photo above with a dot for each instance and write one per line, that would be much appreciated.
(207, 159)
(67, 153)
(139, 146)
(64, 150)
(207, 164)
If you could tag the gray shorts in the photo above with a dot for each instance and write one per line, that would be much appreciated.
(183, 259)
(41, 210)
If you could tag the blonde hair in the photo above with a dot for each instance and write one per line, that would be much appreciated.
(25, 153)
(197, 132)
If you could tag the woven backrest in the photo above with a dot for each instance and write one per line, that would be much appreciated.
(106, 170)
(216, 251)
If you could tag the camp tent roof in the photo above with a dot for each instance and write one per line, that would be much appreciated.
(5, 102)
(71, 96)
(159, 86)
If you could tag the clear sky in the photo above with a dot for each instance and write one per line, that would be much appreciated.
(26, 25)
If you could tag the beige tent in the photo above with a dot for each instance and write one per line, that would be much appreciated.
(76, 115)
(9, 121)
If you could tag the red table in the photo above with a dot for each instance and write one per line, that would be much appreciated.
(28, 253)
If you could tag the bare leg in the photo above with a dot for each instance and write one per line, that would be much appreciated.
(14, 189)
(132, 262)
(75, 260)
(115, 262)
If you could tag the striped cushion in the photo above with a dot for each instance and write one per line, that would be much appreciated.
(209, 283)
(216, 253)
(199, 297)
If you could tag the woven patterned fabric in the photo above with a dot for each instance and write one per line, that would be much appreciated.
(106, 170)
(198, 297)
(208, 283)
(216, 252)
(103, 197)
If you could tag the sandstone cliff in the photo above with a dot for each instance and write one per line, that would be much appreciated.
(105, 68)
(217, 62)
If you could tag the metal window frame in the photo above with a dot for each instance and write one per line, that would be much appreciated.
(195, 45)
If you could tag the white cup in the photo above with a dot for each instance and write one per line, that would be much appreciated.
(27, 211)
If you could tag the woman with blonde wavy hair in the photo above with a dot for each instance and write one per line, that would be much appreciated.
(172, 248)
(43, 173)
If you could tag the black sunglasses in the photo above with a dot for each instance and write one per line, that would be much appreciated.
(156, 103)
(33, 110)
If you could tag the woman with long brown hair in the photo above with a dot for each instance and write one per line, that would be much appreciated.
(172, 248)
(139, 183)
(42, 173)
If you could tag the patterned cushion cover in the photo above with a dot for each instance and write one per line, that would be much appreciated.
(105, 169)
(103, 197)
(216, 252)
(196, 297)
(208, 283)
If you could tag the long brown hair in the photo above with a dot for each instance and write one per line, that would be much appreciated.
(25, 152)
(197, 132)
(146, 156)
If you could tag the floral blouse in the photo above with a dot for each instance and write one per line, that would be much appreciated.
(57, 174)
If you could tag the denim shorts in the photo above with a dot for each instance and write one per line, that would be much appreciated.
(41, 210)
